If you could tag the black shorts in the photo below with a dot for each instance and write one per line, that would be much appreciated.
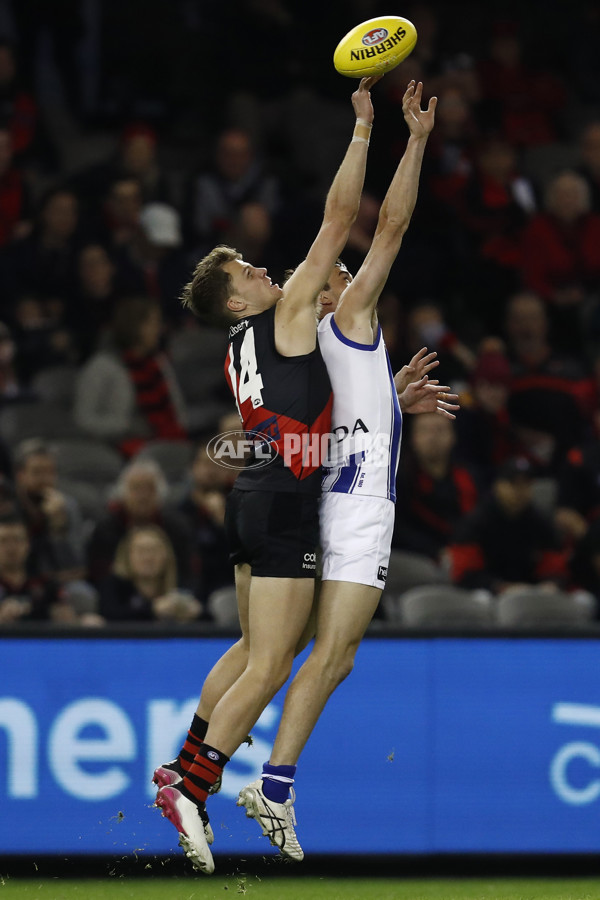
(275, 532)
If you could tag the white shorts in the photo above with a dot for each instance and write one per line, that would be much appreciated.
(356, 538)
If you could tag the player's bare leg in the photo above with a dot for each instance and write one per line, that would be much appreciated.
(344, 612)
(223, 674)
(279, 609)
(231, 665)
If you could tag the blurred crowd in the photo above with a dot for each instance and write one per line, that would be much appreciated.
(130, 145)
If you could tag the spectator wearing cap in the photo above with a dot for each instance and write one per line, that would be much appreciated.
(434, 491)
(485, 436)
(127, 393)
(506, 542)
(140, 499)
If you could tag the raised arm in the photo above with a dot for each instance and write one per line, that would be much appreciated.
(355, 310)
(341, 209)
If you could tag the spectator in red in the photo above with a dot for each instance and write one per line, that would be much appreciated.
(486, 438)
(494, 207)
(561, 254)
(434, 491)
(506, 542)
(551, 396)
(140, 499)
(518, 100)
(451, 153)
(127, 393)
(14, 196)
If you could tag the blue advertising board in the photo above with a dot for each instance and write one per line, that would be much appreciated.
(431, 745)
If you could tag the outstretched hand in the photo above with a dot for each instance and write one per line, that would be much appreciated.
(361, 98)
(421, 364)
(426, 396)
(419, 121)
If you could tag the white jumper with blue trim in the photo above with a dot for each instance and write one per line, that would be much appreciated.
(366, 419)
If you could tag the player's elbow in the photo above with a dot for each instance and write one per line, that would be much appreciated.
(394, 226)
(341, 212)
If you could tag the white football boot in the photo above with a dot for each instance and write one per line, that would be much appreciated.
(190, 820)
(277, 820)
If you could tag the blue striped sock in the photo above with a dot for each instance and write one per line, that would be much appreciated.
(277, 781)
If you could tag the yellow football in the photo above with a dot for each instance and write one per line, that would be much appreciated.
(375, 46)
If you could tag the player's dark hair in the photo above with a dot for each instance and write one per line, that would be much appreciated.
(210, 288)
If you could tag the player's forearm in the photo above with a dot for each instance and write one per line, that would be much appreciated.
(343, 199)
(399, 203)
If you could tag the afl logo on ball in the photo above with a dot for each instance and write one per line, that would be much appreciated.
(375, 36)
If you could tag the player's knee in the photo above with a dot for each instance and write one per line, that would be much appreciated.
(334, 667)
(344, 667)
(270, 675)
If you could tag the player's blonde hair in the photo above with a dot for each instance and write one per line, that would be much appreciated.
(210, 288)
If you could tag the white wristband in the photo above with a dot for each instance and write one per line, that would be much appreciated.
(364, 122)
(359, 140)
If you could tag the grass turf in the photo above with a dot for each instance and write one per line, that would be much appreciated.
(283, 888)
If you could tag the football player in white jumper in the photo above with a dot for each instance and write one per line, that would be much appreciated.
(357, 505)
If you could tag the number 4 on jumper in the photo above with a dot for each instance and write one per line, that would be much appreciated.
(251, 382)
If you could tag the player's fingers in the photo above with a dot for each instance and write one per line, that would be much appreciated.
(445, 405)
(431, 365)
(367, 83)
(432, 104)
(443, 412)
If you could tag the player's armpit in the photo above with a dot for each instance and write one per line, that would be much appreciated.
(295, 335)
